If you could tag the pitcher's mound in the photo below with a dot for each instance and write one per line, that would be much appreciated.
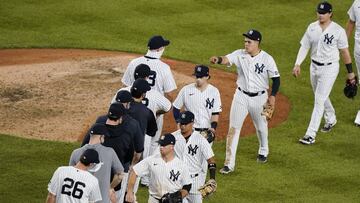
(56, 94)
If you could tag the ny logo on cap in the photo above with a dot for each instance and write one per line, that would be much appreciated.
(198, 69)
(183, 116)
(162, 137)
(251, 31)
(92, 132)
(322, 6)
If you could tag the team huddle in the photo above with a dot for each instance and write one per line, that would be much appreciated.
(125, 148)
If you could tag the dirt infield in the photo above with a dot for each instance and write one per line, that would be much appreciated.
(55, 94)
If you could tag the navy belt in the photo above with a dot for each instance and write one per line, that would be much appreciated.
(252, 94)
(201, 129)
(194, 175)
(320, 64)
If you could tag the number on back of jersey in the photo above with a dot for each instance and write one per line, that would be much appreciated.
(72, 188)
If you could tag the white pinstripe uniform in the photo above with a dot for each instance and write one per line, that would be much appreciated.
(165, 177)
(72, 185)
(354, 15)
(253, 77)
(155, 102)
(196, 151)
(201, 103)
(161, 79)
(325, 47)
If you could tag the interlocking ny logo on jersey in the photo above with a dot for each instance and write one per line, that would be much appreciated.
(192, 150)
(328, 39)
(259, 69)
(174, 176)
(209, 104)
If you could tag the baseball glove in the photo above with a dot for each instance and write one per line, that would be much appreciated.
(209, 135)
(208, 189)
(351, 86)
(268, 111)
(174, 197)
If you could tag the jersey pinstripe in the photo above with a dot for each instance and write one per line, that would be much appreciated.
(165, 177)
(201, 103)
(253, 72)
(195, 152)
(161, 78)
(325, 44)
(71, 185)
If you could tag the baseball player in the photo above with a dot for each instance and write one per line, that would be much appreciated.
(325, 38)
(168, 174)
(161, 78)
(254, 68)
(75, 183)
(354, 22)
(194, 151)
(109, 162)
(201, 98)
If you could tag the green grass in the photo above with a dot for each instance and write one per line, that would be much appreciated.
(326, 172)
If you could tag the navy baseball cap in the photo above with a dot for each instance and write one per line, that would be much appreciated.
(167, 139)
(89, 156)
(157, 41)
(99, 129)
(186, 117)
(141, 85)
(253, 34)
(201, 71)
(116, 110)
(142, 71)
(324, 7)
(123, 96)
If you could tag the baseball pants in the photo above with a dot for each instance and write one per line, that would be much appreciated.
(322, 80)
(241, 106)
(197, 181)
(357, 61)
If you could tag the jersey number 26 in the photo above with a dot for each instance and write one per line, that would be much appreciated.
(71, 189)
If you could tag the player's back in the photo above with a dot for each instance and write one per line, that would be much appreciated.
(160, 79)
(75, 186)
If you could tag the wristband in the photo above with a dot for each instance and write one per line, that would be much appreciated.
(214, 124)
(219, 60)
(349, 67)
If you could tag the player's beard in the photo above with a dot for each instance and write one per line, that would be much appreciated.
(155, 54)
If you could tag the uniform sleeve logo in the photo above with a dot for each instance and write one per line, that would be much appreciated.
(210, 104)
(192, 150)
(259, 69)
(327, 39)
(174, 176)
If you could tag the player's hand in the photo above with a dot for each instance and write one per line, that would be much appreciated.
(351, 77)
(212, 130)
(214, 59)
(296, 71)
(129, 197)
(112, 195)
(271, 100)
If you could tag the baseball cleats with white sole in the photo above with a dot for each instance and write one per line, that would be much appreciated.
(261, 159)
(327, 127)
(307, 140)
(225, 170)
